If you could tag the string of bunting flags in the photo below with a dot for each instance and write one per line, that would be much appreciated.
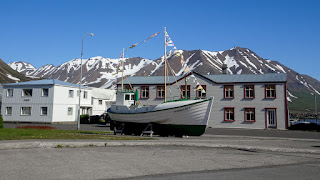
(170, 43)
(134, 45)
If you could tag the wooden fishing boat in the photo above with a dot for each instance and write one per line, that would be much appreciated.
(182, 117)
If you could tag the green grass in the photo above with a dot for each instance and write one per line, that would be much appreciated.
(20, 134)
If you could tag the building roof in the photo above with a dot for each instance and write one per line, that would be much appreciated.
(149, 80)
(44, 82)
(220, 78)
(106, 94)
(247, 78)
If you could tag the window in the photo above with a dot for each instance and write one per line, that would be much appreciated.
(249, 91)
(201, 93)
(8, 111)
(183, 90)
(249, 114)
(144, 91)
(45, 92)
(127, 97)
(270, 91)
(9, 92)
(44, 111)
(160, 91)
(228, 91)
(71, 92)
(100, 102)
(26, 111)
(85, 94)
(229, 114)
(70, 111)
(26, 92)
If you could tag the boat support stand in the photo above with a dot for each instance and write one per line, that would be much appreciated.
(120, 130)
(147, 130)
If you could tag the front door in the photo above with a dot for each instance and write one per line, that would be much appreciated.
(271, 118)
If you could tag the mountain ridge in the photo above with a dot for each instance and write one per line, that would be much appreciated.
(100, 72)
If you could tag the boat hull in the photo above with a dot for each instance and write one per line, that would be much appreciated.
(184, 118)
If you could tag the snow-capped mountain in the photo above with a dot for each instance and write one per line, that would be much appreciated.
(8, 75)
(96, 71)
(101, 72)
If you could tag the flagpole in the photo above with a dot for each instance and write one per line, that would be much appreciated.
(165, 66)
(122, 69)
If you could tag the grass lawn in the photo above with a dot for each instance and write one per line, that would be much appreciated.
(19, 134)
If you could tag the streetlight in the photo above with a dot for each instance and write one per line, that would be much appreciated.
(91, 34)
(315, 107)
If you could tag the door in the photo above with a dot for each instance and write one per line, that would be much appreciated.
(271, 118)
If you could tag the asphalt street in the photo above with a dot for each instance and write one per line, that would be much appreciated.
(140, 161)
(218, 154)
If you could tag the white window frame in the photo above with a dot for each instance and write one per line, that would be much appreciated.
(23, 112)
(7, 111)
(42, 112)
(43, 94)
(9, 92)
(26, 94)
(85, 94)
(71, 93)
(70, 111)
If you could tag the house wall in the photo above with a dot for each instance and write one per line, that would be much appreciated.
(62, 102)
(260, 103)
(99, 109)
(35, 102)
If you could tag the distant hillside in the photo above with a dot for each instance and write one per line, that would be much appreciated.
(8, 75)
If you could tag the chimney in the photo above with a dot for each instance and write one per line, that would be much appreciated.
(224, 69)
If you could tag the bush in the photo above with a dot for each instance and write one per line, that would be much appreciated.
(1, 121)
(84, 119)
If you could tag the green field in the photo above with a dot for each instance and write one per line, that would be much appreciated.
(20, 134)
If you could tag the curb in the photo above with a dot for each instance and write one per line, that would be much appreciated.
(38, 144)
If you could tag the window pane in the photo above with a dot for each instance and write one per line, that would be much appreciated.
(127, 97)
(8, 110)
(70, 110)
(25, 110)
(27, 92)
(44, 110)
(10, 93)
(71, 93)
(45, 92)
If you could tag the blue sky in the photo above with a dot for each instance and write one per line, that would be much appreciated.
(50, 32)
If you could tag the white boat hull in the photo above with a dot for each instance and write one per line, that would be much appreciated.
(190, 114)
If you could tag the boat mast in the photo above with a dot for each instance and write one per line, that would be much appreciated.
(165, 66)
(122, 70)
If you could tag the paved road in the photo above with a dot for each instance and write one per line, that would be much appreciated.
(292, 172)
(219, 154)
(136, 161)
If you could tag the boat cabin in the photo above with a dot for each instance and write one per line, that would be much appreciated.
(125, 98)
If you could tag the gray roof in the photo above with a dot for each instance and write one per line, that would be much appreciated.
(247, 78)
(220, 78)
(149, 80)
(44, 82)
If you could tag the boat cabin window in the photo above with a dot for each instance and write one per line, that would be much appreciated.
(127, 97)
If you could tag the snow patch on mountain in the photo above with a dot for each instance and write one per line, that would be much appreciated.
(230, 62)
(13, 78)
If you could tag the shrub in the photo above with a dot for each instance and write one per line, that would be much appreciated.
(84, 118)
(1, 121)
